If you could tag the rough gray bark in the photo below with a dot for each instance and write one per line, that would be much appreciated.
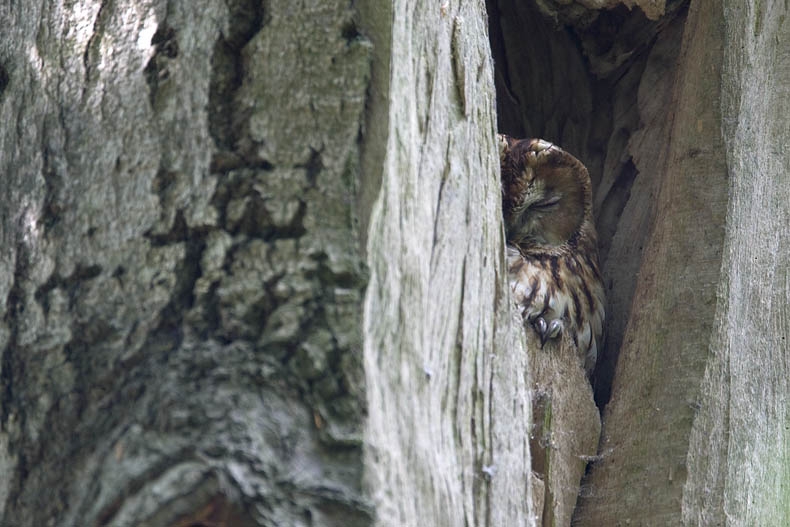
(181, 280)
(188, 188)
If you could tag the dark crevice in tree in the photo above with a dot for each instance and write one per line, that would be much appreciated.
(227, 73)
(179, 232)
(15, 303)
(169, 333)
(562, 79)
(225, 80)
(69, 284)
(314, 166)
(350, 31)
(53, 170)
(224, 161)
(211, 316)
(250, 216)
(4, 80)
(609, 215)
(165, 44)
(88, 57)
(10, 370)
(572, 77)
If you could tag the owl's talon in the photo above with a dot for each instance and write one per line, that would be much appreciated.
(540, 326)
(547, 331)
(555, 328)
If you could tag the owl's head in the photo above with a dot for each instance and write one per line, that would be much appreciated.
(546, 194)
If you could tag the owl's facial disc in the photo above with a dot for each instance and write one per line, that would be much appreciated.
(551, 212)
(545, 193)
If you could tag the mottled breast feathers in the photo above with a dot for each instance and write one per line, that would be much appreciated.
(552, 251)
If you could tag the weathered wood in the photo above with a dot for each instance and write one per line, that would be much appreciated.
(739, 447)
(694, 432)
(447, 379)
(566, 426)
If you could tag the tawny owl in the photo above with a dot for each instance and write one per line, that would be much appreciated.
(552, 251)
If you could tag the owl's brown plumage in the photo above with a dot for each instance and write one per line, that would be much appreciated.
(552, 251)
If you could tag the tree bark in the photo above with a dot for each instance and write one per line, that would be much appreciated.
(182, 280)
(684, 149)
(739, 440)
(695, 432)
(447, 378)
(187, 212)
(253, 264)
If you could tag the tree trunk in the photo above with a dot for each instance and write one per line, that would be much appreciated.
(182, 280)
(185, 215)
(695, 431)
(446, 374)
(253, 269)
(685, 148)
(739, 443)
